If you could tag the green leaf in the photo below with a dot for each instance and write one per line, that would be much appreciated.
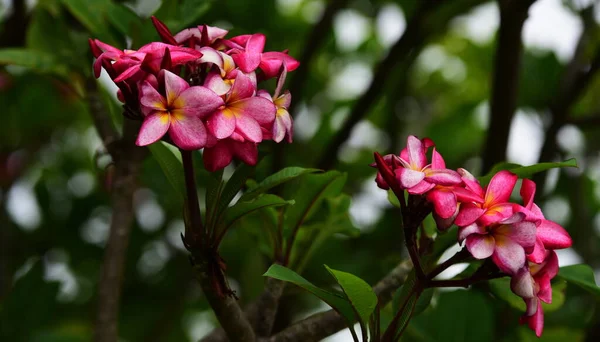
(336, 301)
(177, 15)
(582, 276)
(393, 199)
(36, 60)
(171, 165)
(233, 186)
(241, 209)
(359, 293)
(276, 179)
(123, 18)
(526, 171)
(309, 192)
(421, 305)
(214, 187)
(501, 288)
(404, 299)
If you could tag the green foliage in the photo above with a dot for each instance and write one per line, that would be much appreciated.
(170, 163)
(278, 178)
(501, 288)
(582, 276)
(36, 60)
(242, 208)
(526, 171)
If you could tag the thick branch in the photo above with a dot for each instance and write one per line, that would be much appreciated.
(321, 325)
(505, 86)
(128, 160)
(576, 78)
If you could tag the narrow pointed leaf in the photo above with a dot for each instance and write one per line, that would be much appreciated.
(241, 209)
(233, 186)
(526, 171)
(276, 179)
(171, 165)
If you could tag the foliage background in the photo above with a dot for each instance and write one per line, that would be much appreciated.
(55, 209)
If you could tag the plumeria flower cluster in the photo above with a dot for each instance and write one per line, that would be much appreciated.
(199, 90)
(519, 240)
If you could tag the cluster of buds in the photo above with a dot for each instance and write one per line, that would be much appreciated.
(202, 89)
(517, 237)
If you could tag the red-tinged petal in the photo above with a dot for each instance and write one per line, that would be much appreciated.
(197, 101)
(527, 192)
(153, 128)
(416, 153)
(443, 177)
(531, 306)
(471, 182)
(270, 67)
(553, 236)
(187, 34)
(241, 40)
(522, 233)
(443, 224)
(427, 143)
(480, 246)
(468, 214)
(215, 82)
(523, 284)
(222, 124)
(163, 31)
(214, 32)
(290, 62)
(264, 94)
(128, 73)
(217, 157)
(246, 152)
(444, 202)
(539, 252)
(496, 213)
(464, 195)
(107, 48)
(437, 162)
(247, 61)
(97, 67)
(256, 43)
(500, 187)
(258, 108)
(248, 128)
(187, 132)
(473, 228)
(508, 255)
(408, 177)
(421, 188)
(281, 82)
(242, 88)
(150, 99)
(535, 321)
(550, 264)
(174, 86)
(516, 217)
(545, 292)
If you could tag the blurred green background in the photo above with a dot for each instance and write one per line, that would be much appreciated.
(55, 209)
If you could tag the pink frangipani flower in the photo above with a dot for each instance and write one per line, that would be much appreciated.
(489, 207)
(507, 241)
(218, 154)
(242, 113)
(282, 127)
(179, 112)
(418, 177)
(247, 52)
(549, 235)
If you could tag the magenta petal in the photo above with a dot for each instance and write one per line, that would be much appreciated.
(416, 152)
(522, 284)
(198, 101)
(545, 292)
(129, 72)
(215, 82)
(509, 256)
(222, 124)
(443, 177)
(539, 252)
(279, 129)
(248, 128)
(522, 233)
(468, 214)
(464, 195)
(408, 177)
(210, 55)
(500, 187)
(421, 188)
(553, 236)
(536, 321)
(246, 152)
(291, 64)
(256, 43)
(242, 88)
(188, 132)
(218, 156)
(527, 192)
(150, 99)
(496, 213)
(153, 128)
(480, 246)
(444, 202)
(437, 162)
(258, 108)
(471, 182)
(473, 228)
(247, 61)
(174, 85)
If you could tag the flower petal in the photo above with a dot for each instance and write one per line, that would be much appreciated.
(408, 177)
(246, 152)
(222, 124)
(248, 128)
(421, 188)
(242, 88)
(444, 202)
(256, 107)
(553, 236)
(153, 128)
(523, 284)
(480, 246)
(210, 55)
(473, 228)
(527, 192)
(215, 82)
(508, 255)
(471, 182)
(500, 187)
(468, 214)
(522, 233)
(150, 99)
(218, 156)
(496, 213)
(187, 132)
(443, 177)
(174, 85)
(198, 101)
(539, 252)
(437, 162)
(416, 153)
(247, 61)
